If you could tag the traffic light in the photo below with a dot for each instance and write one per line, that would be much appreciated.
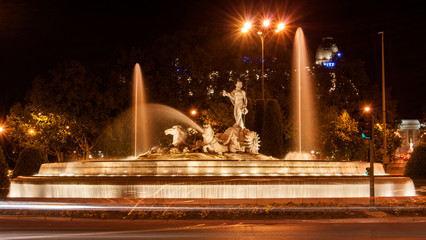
(367, 171)
(365, 129)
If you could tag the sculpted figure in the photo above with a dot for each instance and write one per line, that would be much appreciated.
(210, 142)
(179, 135)
(239, 100)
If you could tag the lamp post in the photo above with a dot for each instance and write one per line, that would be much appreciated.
(262, 32)
(371, 157)
(385, 147)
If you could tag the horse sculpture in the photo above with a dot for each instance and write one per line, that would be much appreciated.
(179, 135)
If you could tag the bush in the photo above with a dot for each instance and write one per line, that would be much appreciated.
(4, 180)
(416, 165)
(272, 136)
(29, 162)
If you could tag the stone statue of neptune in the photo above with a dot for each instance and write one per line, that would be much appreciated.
(239, 100)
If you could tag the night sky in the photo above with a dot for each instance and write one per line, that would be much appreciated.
(37, 35)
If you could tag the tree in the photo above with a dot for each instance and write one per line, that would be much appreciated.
(416, 165)
(272, 132)
(219, 115)
(29, 161)
(342, 87)
(30, 126)
(339, 136)
(74, 93)
(4, 179)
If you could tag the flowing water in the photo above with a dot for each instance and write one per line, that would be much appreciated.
(303, 108)
(150, 120)
(141, 140)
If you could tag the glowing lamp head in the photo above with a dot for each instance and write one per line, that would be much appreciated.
(193, 112)
(1, 129)
(266, 23)
(367, 109)
(31, 131)
(281, 26)
(246, 27)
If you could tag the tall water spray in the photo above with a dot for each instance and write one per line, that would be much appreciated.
(304, 110)
(150, 120)
(141, 119)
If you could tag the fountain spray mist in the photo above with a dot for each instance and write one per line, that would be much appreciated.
(141, 119)
(303, 106)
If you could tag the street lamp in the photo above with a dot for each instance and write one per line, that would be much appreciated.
(263, 30)
(368, 110)
(385, 147)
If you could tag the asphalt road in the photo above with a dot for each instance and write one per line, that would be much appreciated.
(13, 227)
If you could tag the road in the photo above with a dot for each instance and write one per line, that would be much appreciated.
(13, 227)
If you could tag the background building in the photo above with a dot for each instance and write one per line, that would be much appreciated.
(327, 53)
(409, 131)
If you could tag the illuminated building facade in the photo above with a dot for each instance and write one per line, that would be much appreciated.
(327, 53)
(409, 131)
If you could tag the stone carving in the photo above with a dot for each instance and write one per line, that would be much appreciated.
(179, 135)
(211, 143)
(236, 139)
(239, 100)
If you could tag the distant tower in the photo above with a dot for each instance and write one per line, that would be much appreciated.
(327, 53)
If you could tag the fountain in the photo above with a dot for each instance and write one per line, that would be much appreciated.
(303, 107)
(234, 171)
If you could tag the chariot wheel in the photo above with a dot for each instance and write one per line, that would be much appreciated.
(252, 142)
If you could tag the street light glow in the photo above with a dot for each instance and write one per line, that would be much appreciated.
(262, 35)
(367, 109)
(266, 23)
(1, 129)
(193, 112)
(246, 27)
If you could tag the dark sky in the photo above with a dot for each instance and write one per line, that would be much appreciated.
(37, 35)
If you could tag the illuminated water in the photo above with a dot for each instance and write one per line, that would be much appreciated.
(150, 120)
(142, 132)
(303, 108)
(208, 179)
(223, 187)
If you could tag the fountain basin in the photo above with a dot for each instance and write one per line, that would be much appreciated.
(214, 178)
(208, 167)
(208, 187)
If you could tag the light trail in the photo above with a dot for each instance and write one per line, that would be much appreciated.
(7, 205)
